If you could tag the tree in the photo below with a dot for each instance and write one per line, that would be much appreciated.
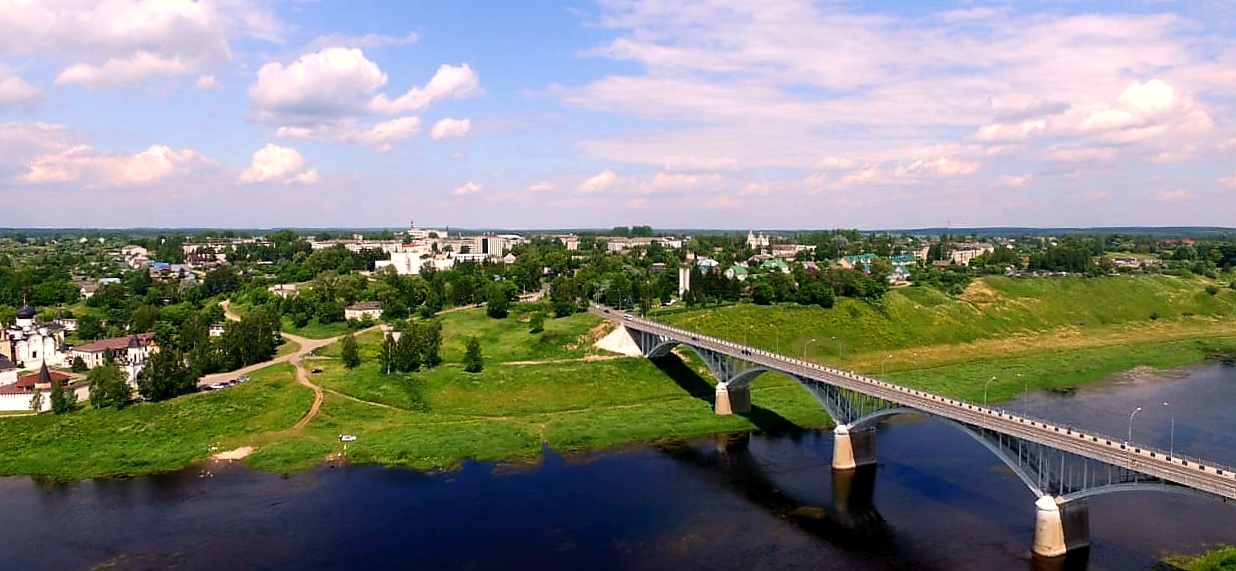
(166, 376)
(349, 352)
(89, 327)
(386, 354)
(536, 323)
(763, 294)
(36, 401)
(63, 399)
(497, 304)
(473, 360)
(79, 366)
(406, 357)
(431, 333)
(108, 387)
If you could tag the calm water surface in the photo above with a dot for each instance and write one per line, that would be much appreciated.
(940, 501)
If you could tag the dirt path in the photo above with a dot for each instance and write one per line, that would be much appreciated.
(586, 359)
(303, 378)
(307, 346)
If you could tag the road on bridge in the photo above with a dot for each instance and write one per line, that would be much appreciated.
(1192, 473)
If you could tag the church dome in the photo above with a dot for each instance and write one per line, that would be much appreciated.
(26, 312)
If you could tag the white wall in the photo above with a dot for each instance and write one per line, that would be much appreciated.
(21, 402)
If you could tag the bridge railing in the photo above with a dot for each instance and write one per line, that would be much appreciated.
(1151, 451)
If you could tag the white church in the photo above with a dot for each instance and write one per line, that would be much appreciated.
(29, 344)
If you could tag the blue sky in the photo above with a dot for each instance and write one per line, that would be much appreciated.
(675, 113)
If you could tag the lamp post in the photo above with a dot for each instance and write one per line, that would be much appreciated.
(777, 330)
(1171, 446)
(840, 352)
(805, 346)
(1025, 397)
(886, 358)
(985, 390)
(1131, 414)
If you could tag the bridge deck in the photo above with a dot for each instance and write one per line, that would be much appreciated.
(1193, 473)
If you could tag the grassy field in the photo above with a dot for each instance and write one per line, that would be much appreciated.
(995, 315)
(520, 402)
(1222, 559)
(153, 437)
(555, 389)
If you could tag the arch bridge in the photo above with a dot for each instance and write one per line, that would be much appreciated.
(1061, 465)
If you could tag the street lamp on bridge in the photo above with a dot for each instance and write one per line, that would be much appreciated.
(985, 390)
(805, 346)
(886, 358)
(1131, 414)
(1171, 438)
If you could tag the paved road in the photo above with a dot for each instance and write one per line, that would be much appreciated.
(1197, 474)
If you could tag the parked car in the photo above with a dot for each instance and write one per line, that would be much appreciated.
(315, 370)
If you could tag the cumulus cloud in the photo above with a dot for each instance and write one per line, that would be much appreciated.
(938, 167)
(666, 180)
(380, 136)
(598, 182)
(15, 91)
(366, 41)
(467, 188)
(207, 83)
(539, 187)
(450, 129)
(1016, 180)
(323, 94)
(755, 88)
(112, 42)
(87, 165)
(273, 163)
(756, 188)
(1173, 194)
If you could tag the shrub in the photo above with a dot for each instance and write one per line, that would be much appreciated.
(1212, 289)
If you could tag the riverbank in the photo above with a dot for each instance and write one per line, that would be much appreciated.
(1222, 559)
(554, 388)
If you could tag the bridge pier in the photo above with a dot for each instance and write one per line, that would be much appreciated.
(852, 449)
(732, 399)
(1060, 527)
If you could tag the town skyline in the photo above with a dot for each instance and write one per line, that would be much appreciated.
(251, 114)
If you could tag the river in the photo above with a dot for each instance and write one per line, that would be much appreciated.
(940, 501)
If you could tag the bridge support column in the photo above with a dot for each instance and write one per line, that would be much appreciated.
(1060, 527)
(852, 449)
(733, 399)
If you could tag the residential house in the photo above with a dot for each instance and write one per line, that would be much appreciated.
(737, 272)
(371, 309)
(96, 353)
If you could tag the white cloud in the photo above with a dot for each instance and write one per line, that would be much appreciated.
(450, 128)
(1173, 194)
(273, 163)
(938, 167)
(448, 82)
(207, 83)
(111, 42)
(1229, 181)
(598, 182)
(756, 187)
(138, 67)
(94, 168)
(323, 94)
(666, 180)
(15, 91)
(929, 100)
(468, 188)
(1016, 180)
(539, 187)
(379, 136)
(366, 41)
